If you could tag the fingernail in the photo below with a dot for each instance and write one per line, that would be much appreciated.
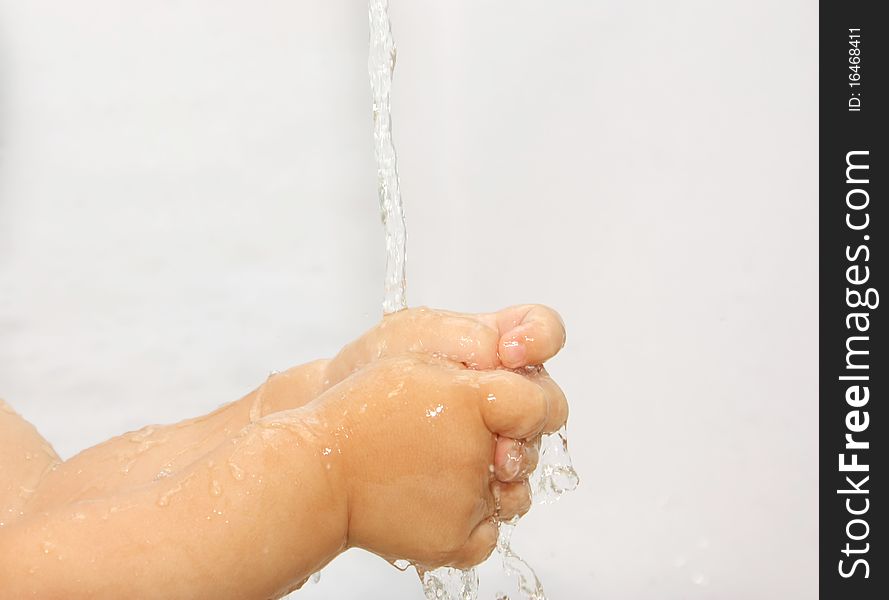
(512, 354)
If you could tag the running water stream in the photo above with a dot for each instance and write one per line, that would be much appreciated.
(554, 475)
(380, 65)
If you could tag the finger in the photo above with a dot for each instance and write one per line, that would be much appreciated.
(515, 459)
(512, 498)
(478, 547)
(530, 334)
(557, 404)
(461, 338)
(512, 405)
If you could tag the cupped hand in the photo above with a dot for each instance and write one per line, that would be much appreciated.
(430, 453)
(519, 336)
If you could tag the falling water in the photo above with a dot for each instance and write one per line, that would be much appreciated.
(528, 584)
(380, 65)
(554, 475)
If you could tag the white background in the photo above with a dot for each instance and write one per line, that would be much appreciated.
(187, 200)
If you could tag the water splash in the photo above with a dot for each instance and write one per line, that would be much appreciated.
(553, 478)
(380, 66)
(448, 583)
(554, 475)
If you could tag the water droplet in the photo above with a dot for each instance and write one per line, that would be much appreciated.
(434, 412)
(215, 488)
(237, 472)
(125, 469)
(401, 564)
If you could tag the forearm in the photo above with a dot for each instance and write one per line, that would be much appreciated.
(253, 518)
(25, 460)
(156, 452)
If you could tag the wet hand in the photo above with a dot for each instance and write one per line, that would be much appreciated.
(514, 337)
(425, 450)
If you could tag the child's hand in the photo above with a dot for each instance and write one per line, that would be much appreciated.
(515, 337)
(411, 440)
(427, 440)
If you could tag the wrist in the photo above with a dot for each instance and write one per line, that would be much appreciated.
(296, 450)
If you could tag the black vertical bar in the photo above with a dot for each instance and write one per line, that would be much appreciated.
(854, 371)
